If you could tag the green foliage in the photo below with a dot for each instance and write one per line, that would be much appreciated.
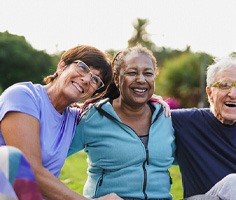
(20, 62)
(140, 35)
(180, 78)
(163, 54)
(111, 53)
(74, 175)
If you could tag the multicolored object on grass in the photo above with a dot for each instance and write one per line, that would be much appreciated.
(17, 181)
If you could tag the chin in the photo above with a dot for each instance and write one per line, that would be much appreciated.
(228, 121)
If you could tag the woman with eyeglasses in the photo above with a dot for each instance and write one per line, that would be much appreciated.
(127, 137)
(38, 120)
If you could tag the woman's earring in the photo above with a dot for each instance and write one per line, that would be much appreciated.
(55, 75)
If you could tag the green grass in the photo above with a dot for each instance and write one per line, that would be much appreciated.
(176, 188)
(74, 175)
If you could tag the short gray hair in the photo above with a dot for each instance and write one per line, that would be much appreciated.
(219, 65)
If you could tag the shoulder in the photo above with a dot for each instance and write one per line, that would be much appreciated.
(21, 89)
(93, 107)
(189, 113)
(190, 110)
(184, 111)
(73, 111)
(21, 97)
(156, 108)
(102, 102)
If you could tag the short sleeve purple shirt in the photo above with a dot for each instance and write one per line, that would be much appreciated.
(56, 130)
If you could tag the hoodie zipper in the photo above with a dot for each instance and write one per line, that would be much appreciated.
(101, 179)
(146, 149)
(99, 183)
(145, 174)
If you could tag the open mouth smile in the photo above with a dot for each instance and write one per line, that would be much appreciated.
(230, 104)
(138, 90)
(78, 87)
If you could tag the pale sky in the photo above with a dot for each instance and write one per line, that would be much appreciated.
(205, 25)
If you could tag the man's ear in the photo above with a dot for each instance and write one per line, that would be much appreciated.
(209, 93)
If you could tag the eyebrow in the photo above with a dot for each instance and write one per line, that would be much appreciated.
(145, 69)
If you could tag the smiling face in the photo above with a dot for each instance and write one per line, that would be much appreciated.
(73, 85)
(136, 79)
(223, 102)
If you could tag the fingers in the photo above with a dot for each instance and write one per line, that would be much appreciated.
(163, 103)
(111, 196)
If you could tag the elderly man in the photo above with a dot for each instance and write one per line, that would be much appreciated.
(206, 138)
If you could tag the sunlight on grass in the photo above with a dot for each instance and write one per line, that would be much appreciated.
(176, 188)
(74, 175)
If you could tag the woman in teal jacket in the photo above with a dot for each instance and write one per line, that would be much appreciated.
(128, 139)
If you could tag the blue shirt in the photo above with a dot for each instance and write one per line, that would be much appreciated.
(56, 130)
(206, 149)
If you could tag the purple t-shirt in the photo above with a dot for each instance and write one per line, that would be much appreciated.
(56, 130)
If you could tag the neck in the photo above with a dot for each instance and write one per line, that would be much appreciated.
(219, 117)
(129, 110)
(56, 99)
(137, 117)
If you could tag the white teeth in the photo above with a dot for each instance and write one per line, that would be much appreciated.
(139, 90)
(230, 104)
(77, 86)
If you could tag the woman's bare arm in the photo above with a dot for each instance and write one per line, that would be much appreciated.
(22, 131)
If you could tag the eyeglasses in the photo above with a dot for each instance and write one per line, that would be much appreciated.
(224, 85)
(95, 81)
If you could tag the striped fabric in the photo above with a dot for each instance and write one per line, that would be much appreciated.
(17, 181)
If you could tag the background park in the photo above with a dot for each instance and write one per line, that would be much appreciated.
(181, 81)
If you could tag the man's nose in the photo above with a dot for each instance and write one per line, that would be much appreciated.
(232, 92)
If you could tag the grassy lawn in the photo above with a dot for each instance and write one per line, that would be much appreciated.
(74, 175)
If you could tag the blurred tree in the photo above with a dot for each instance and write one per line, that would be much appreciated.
(164, 53)
(111, 53)
(180, 78)
(233, 54)
(141, 36)
(19, 61)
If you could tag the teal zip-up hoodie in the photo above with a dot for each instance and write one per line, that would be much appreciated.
(117, 159)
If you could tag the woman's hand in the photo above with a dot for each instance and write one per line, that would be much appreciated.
(159, 99)
(111, 196)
